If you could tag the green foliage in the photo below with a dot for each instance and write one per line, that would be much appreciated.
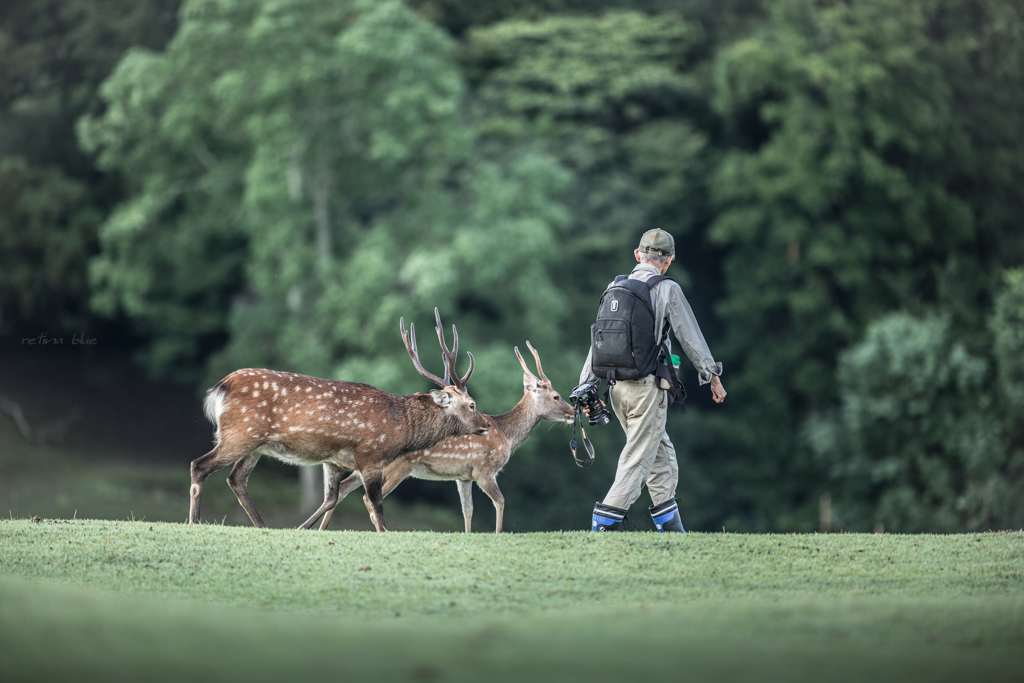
(53, 55)
(311, 156)
(600, 92)
(1007, 326)
(862, 179)
(919, 442)
(460, 16)
(46, 232)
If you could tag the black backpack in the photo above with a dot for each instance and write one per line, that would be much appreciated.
(622, 341)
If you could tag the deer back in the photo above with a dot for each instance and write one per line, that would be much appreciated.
(307, 420)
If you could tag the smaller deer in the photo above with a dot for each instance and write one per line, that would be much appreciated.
(469, 458)
(343, 425)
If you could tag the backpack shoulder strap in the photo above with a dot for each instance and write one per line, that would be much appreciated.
(656, 279)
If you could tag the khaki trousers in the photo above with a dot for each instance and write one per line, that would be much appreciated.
(648, 456)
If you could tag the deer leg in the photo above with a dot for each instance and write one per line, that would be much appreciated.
(332, 477)
(373, 484)
(202, 468)
(490, 486)
(347, 486)
(466, 496)
(395, 474)
(238, 479)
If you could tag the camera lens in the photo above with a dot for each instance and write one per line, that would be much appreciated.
(598, 415)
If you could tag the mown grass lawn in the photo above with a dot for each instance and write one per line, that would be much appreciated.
(127, 600)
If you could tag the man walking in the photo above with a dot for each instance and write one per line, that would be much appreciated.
(641, 405)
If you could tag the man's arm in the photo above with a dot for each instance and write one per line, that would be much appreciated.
(687, 331)
(587, 375)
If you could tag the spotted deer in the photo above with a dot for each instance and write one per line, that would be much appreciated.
(467, 458)
(342, 425)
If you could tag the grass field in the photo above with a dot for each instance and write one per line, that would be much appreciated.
(90, 600)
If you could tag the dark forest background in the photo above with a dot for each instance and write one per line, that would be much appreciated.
(213, 184)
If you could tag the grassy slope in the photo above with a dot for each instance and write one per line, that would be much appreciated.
(270, 604)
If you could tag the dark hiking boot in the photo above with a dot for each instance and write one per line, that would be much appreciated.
(666, 516)
(607, 518)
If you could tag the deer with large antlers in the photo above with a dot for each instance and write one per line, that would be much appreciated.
(467, 458)
(343, 425)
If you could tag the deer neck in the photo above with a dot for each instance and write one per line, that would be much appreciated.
(518, 423)
(426, 424)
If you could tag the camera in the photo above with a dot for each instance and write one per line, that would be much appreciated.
(585, 396)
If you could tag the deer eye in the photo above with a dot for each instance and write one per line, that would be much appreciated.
(472, 406)
(556, 398)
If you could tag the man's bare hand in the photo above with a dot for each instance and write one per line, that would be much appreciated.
(586, 410)
(718, 392)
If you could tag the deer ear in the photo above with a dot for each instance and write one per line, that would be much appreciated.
(441, 398)
(530, 383)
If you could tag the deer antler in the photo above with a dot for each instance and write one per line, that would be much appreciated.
(523, 363)
(536, 357)
(451, 356)
(414, 353)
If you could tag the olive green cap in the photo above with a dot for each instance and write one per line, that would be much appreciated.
(657, 242)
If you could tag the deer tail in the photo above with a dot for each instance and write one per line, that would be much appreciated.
(213, 406)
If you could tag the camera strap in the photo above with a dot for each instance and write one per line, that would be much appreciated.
(586, 442)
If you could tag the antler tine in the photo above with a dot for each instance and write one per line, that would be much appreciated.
(523, 363)
(439, 328)
(447, 373)
(450, 357)
(465, 378)
(536, 357)
(410, 346)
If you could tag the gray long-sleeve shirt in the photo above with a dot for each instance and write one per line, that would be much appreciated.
(671, 306)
